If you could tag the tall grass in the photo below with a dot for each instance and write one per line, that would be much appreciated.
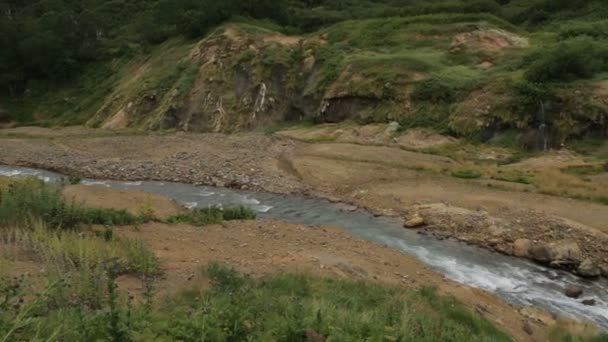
(212, 215)
(25, 201)
(238, 308)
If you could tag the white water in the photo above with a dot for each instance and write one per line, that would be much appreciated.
(515, 280)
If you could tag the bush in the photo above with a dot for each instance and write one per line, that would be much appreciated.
(467, 174)
(212, 215)
(239, 308)
(433, 90)
(570, 60)
(25, 201)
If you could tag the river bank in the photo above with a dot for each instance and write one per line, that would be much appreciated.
(266, 247)
(506, 217)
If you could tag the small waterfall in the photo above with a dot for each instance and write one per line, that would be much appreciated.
(542, 128)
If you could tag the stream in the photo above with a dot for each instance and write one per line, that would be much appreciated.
(514, 280)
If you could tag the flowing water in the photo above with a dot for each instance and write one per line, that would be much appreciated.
(514, 280)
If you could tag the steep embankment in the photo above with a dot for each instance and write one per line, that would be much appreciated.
(454, 73)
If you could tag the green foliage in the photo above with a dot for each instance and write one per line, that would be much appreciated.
(433, 90)
(24, 202)
(569, 60)
(467, 174)
(212, 215)
(74, 179)
(238, 308)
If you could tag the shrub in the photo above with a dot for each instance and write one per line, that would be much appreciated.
(26, 201)
(570, 60)
(212, 215)
(467, 174)
(239, 308)
(433, 90)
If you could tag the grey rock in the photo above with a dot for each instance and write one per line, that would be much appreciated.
(588, 302)
(560, 252)
(573, 291)
(588, 268)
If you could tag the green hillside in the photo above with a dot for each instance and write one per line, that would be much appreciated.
(466, 68)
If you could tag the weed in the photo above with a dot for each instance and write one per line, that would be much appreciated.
(467, 174)
(212, 215)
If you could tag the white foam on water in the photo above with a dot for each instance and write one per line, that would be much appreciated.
(470, 274)
(46, 179)
(190, 205)
(205, 193)
(132, 183)
(95, 183)
(263, 208)
(249, 201)
(11, 173)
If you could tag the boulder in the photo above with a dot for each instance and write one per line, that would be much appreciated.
(415, 221)
(573, 291)
(589, 302)
(562, 252)
(588, 268)
(521, 248)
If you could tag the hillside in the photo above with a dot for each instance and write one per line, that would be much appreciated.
(476, 72)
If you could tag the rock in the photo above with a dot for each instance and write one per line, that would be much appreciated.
(415, 221)
(589, 302)
(521, 248)
(588, 268)
(560, 252)
(573, 291)
(393, 127)
(528, 328)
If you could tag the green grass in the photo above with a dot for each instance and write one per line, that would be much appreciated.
(467, 174)
(212, 215)
(25, 201)
(239, 308)
(584, 170)
(515, 179)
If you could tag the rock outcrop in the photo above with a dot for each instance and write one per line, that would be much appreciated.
(588, 268)
(558, 253)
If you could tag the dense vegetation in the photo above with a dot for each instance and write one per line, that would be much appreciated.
(44, 39)
(62, 61)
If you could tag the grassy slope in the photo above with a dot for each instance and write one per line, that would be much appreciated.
(409, 64)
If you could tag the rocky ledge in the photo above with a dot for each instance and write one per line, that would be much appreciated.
(549, 240)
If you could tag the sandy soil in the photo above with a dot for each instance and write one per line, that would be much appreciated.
(135, 202)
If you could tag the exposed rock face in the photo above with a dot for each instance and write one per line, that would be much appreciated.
(588, 268)
(563, 252)
(573, 291)
(521, 248)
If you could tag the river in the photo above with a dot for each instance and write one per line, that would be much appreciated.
(514, 280)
